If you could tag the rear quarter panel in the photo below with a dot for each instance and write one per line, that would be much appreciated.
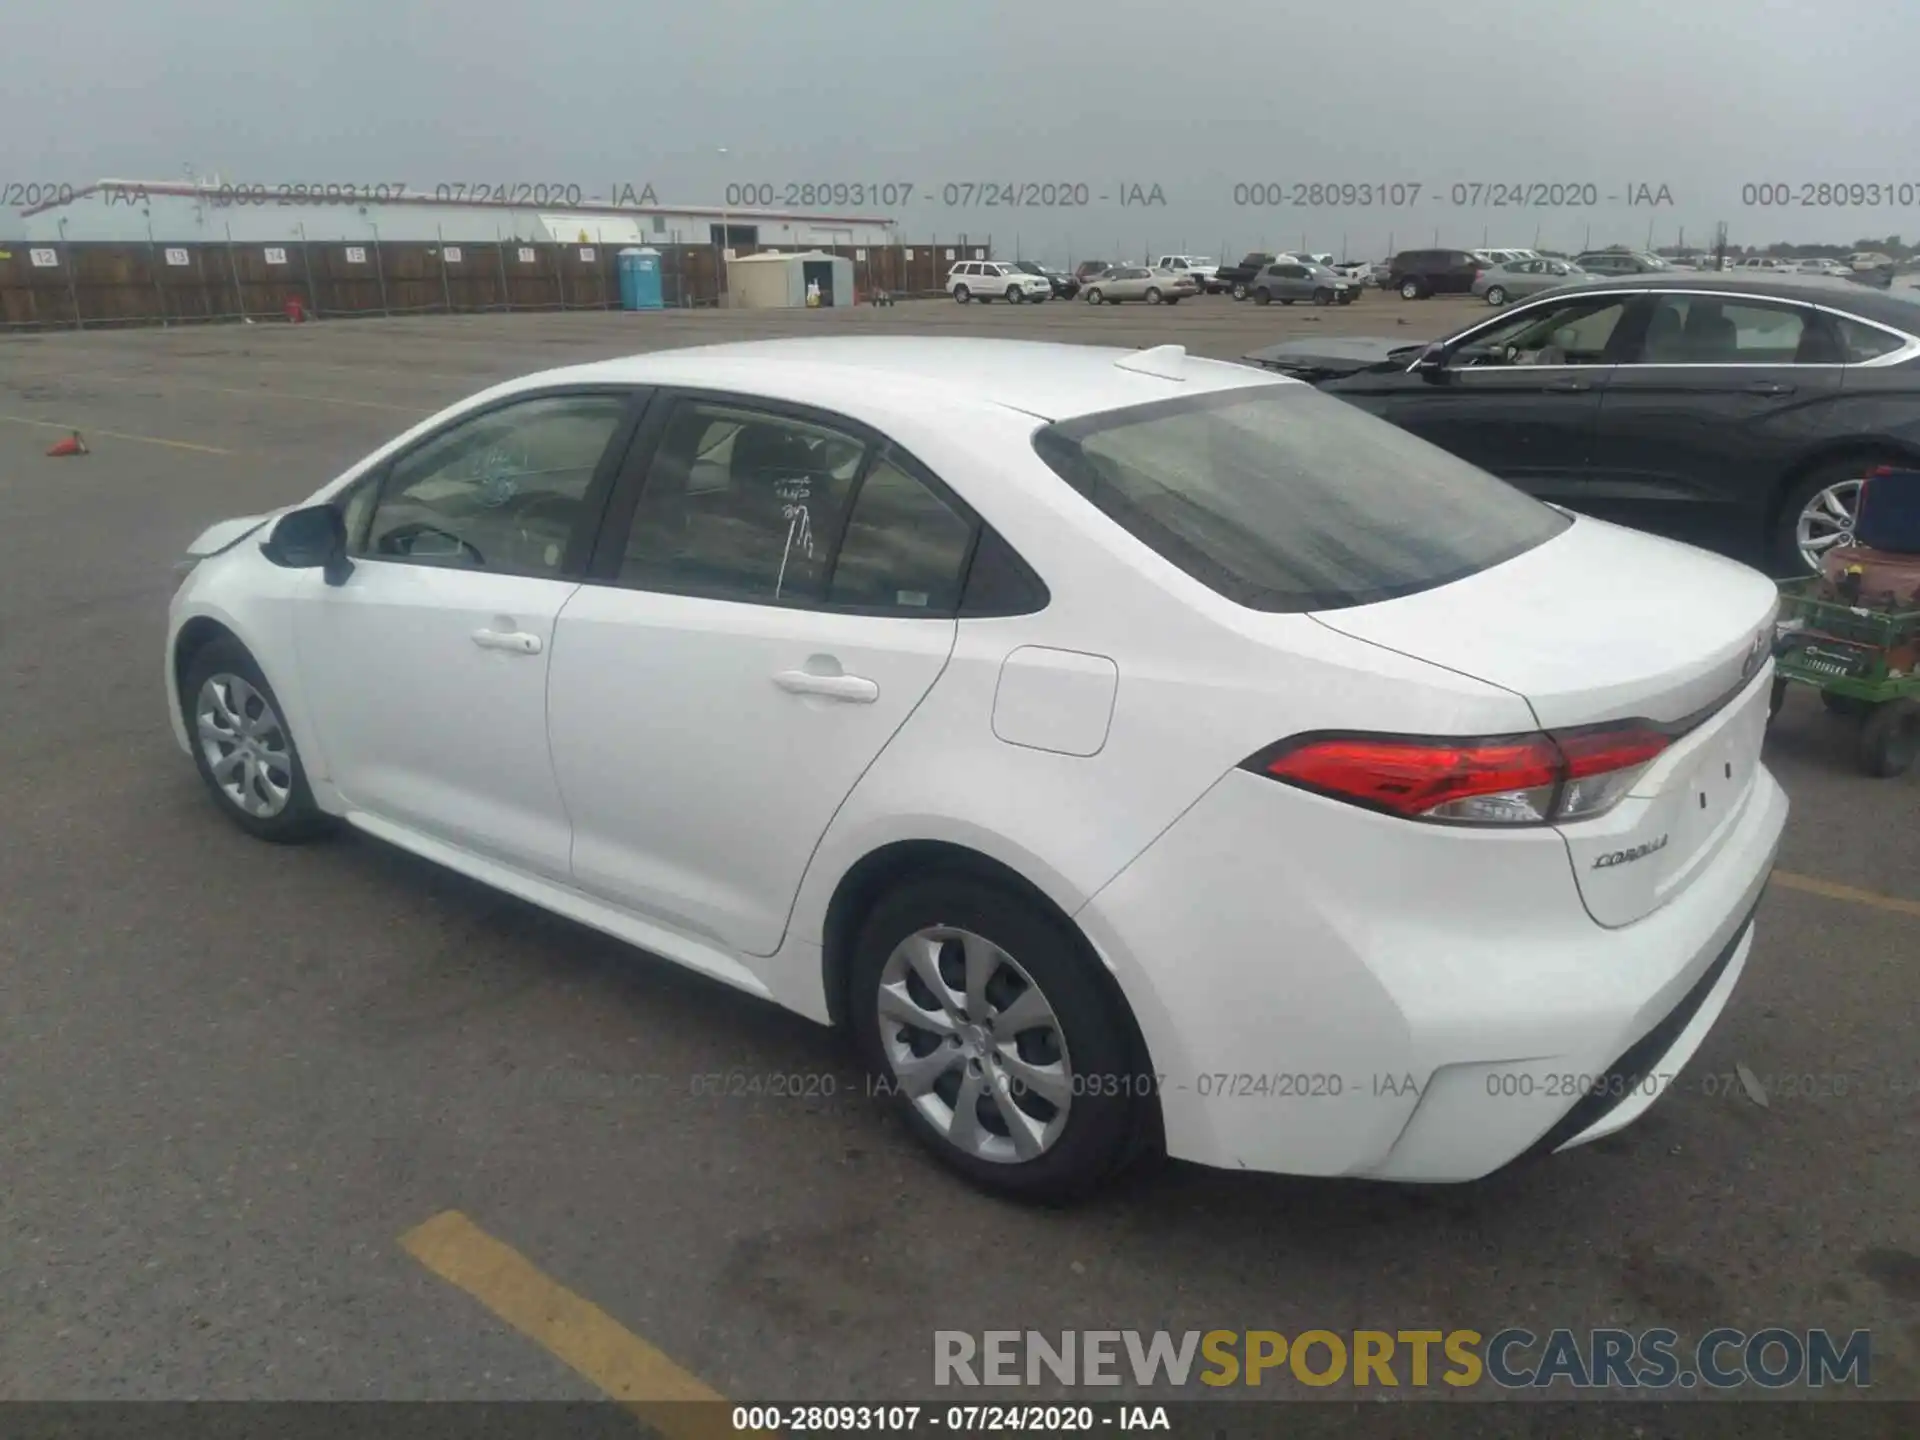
(1202, 684)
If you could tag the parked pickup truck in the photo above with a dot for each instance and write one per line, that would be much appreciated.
(1201, 267)
(1235, 278)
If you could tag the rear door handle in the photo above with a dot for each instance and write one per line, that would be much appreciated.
(1569, 387)
(514, 642)
(854, 688)
(1769, 387)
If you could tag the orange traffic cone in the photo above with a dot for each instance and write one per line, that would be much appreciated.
(72, 445)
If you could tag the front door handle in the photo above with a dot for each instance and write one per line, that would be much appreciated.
(1769, 387)
(854, 688)
(514, 642)
(1569, 387)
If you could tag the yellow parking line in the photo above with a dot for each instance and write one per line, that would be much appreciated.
(1836, 891)
(115, 434)
(574, 1329)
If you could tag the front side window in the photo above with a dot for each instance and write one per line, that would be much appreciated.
(1284, 499)
(1569, 332)
(502, 491)
(741, 504)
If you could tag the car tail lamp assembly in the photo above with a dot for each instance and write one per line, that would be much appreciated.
(1536, 779)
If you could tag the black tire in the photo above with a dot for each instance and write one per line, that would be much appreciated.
(1101, 1130)
(961, 294)
(1262, 296)
(1412, 289)
(1014, 297)
(1889, 739)
(1093, 296)
(1783, 546)
(1154, 297)
(1496, 295)
(300, 819)
(1239, 290)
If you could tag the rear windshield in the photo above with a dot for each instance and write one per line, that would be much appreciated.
(1284, 499)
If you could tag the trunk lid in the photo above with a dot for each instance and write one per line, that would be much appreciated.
(1600, 624)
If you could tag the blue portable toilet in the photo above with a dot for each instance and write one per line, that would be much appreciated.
(640, 279)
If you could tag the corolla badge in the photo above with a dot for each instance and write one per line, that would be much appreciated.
(1756, 654)
(1627, 857)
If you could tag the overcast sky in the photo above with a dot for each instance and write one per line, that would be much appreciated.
(1701, 96)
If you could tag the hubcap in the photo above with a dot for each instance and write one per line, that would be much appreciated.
(975, 1045)
(245, 746)
(1828, 521)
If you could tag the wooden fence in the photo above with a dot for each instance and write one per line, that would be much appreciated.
(67, 286)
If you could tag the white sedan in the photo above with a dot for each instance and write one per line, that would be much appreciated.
(1126, 748)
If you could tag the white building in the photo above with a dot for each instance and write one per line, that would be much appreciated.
(178, 212)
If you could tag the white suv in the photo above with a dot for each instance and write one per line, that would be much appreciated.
(990, 280)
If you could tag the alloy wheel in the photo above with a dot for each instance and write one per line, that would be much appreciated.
(975, 1045)
(1828, 520)
(245, 745)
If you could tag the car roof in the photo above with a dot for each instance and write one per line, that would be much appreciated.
(1898, 308)
(1047, 380)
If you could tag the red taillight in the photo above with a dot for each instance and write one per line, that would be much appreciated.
(1412, 777)
(1598, 752)
(1496, 780)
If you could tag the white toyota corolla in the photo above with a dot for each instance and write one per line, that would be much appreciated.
(1120, 745)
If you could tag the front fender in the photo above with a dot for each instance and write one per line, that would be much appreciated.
(253, 600)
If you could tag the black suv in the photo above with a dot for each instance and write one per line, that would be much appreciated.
(1065, 287)
(1416, 274)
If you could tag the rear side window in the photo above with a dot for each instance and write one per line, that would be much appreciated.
(1284, 499)
(905, 548)
(1865, 342)
(741, 505)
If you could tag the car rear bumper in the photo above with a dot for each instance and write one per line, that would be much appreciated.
(1323, 993)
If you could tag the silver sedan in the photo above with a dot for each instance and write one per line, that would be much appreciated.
(1139, 282)
(1516, 279)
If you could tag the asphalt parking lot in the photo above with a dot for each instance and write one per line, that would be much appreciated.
(239, 1079)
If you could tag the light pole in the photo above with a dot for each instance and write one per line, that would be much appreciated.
(726, 275)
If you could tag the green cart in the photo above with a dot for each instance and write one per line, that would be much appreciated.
(1865, 664)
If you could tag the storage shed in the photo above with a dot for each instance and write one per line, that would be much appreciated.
(789, 281)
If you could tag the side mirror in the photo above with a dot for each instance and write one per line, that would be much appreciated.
(1432, 364)
(311, 539)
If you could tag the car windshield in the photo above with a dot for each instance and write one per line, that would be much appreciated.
(1284, 499)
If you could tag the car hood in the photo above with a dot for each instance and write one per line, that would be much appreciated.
(1332, 357)
(225, 534)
